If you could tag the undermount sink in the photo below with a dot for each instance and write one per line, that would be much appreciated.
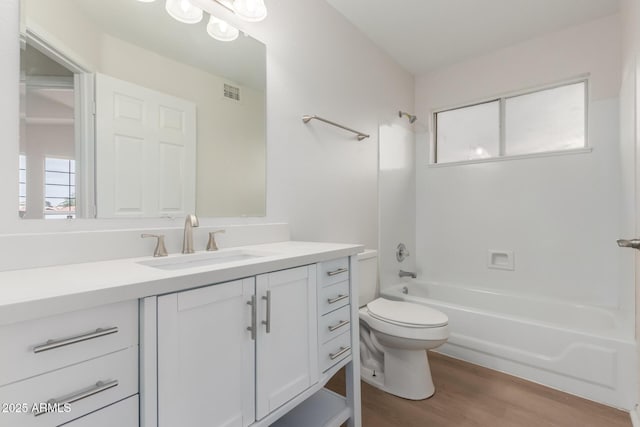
(199, 260)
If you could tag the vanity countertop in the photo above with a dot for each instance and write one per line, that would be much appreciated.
(40, 292)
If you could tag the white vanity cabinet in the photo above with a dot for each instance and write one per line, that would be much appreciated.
(229, 354)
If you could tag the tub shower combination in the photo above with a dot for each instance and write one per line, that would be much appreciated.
(584, 350)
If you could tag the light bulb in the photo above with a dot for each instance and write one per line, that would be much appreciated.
(221, 30)
(184, 11)
(250, 10)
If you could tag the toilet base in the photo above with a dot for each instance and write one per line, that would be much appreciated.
(406, 374)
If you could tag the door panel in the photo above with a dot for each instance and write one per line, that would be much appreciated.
(206, 364)
(287, 353)
(145, 151)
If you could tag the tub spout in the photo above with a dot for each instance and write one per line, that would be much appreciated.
(407, 274)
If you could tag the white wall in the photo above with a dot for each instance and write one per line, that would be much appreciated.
(320, 179)
(561, 214)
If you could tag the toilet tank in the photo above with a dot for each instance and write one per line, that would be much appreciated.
(367, 276)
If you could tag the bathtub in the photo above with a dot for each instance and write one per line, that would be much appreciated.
(584, 350)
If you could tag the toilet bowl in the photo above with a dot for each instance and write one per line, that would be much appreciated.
(394, 339)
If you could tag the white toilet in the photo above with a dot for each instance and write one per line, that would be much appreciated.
(395, 337)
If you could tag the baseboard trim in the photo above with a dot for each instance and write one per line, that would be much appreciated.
(635, 417)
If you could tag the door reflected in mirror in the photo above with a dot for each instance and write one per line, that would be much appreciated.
(127, 113)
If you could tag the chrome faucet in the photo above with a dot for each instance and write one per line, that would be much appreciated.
(187, 242)
(407, 274)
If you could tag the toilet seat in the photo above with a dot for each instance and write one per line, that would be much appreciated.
(413, 331)
(406, 314)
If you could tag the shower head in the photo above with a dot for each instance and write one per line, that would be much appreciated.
(411, 117)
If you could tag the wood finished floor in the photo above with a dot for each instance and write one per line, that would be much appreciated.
(470, 395)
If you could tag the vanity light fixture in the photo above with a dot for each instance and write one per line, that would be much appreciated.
(221, 30)
(184, 11)
(247, 10)
(250, 10)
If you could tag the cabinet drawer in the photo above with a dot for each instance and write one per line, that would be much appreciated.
(335, 350)
(333, 271)
(333, 297)
(78, 384)
(121, 414)
(334, 324)
(37, 346)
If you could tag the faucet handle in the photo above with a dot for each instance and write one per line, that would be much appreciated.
(211, 244)
(160, 249)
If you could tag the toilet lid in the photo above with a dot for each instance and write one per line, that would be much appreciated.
(407, 313)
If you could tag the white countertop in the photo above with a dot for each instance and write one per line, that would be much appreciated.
(40, 292)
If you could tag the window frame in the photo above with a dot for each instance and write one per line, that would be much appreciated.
(502, 143)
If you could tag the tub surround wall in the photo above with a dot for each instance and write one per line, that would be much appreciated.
(560, 215)
(396, 204)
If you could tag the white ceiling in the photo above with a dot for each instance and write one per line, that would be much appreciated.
(422, 35)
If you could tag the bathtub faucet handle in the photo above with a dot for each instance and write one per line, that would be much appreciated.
(401, 252)
(407, 274)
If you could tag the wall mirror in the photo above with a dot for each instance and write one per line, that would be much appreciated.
(127, 113)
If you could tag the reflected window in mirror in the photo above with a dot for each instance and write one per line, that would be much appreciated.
(47, 136)
(59, 188)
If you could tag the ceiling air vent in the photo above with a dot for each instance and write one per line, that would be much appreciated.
(232, 92)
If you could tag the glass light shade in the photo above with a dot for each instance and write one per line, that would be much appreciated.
(221, 30)
(250, 10)
(184, 11)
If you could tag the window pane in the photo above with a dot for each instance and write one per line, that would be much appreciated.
(22, 161)
(60, 178)
(58, 191)
(59, 165)
(468, 133)
(549, 120)
(22, 176)
(22, 190)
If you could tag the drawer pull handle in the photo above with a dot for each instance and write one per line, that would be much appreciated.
(338, 271)
(339, 325)
(336, 299)
(343, 350)
(53, 344)
(253, 328)
(267, 322)
(98, 387)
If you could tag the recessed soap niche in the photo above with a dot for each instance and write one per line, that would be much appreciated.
(500, 260)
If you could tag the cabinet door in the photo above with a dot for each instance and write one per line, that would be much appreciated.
(206, 363)
(287, 346)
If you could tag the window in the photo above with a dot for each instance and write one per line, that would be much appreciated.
(59, 188)
(22, 185)
(547, 120)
